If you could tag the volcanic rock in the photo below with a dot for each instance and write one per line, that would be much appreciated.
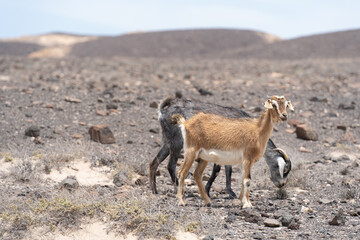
(33, 131)
(102, 134)
(305, 132)
(269, 222)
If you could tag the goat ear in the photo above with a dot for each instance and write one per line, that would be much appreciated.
(290, 106)
(287, 167)
(268, 104)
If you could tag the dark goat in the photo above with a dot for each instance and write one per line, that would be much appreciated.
(172, 143)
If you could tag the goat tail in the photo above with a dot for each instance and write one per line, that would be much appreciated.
(177, 119)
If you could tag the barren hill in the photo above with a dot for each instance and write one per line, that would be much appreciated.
(52, 45)
(17, 48)
(201, 43)
(344, 44)
(184, 43)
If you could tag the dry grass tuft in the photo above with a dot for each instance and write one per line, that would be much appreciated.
(24, 171)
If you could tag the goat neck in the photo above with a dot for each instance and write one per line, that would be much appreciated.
(266, 124)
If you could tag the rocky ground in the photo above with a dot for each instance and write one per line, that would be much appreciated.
(54, 178)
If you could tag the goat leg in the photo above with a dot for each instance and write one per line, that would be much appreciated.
(174, 156)
(228, 171)
(198, 179)
(214, 174)
(160, 157)
(246, 177)
(185, 167)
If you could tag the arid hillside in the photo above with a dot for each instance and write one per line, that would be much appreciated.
(200, 44)
(172, 44)
(344, 44)
(17, 48)
(52, 45)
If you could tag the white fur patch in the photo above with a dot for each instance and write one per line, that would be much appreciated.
(183, 133)
(245, 202)
(279, 97)
(281, 163)
(277, 106)
(221, 157)
(159, 114)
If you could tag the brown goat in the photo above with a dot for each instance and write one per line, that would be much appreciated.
(225, 141)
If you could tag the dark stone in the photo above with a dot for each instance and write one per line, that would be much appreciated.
(140, 98)
(332, 114)
(230, 218)
(102, 134)
(187, 76)
(154, 130)
(345, 171)
(121, 178)
(294, 225)
(178, 94)
(286, 219)
(357, 210)
(111, 106)
(258, 109)
(347, 106)
(108, 93)
(140, 181)
(281, 194)
(341, 127)
(208, 238)
(153, 105)
(307, 133)
(33, 131)
(316, 99)
(202, 91)
(278, 214)
(69, 183)
(339, 219)
(251, 216)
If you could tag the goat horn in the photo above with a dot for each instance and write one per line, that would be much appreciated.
(281, 151)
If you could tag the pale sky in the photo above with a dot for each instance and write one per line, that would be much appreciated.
(284, 18)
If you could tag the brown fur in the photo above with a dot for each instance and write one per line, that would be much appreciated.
(209, 131)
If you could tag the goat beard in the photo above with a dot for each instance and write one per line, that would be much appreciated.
(277, 120)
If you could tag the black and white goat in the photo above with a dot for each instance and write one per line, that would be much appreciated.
(172, 143)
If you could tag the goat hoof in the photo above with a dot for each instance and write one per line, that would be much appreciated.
(247, 206)
(232, 196)
(207, 204)
(182, 203)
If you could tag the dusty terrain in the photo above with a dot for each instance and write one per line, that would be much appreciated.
(64, 97)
